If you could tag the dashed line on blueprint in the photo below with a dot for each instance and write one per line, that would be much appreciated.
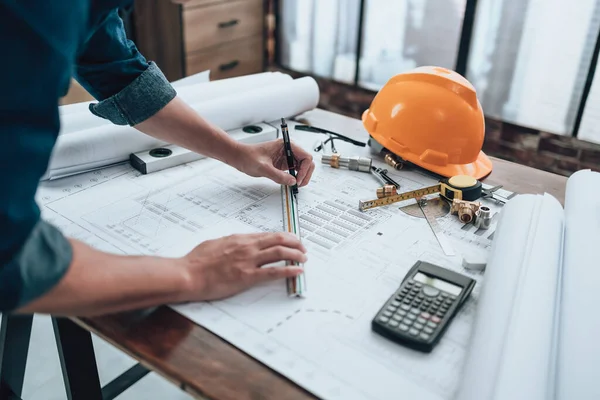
(308, 310)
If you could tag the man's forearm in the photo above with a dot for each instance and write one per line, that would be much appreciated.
(100, 283)
(177, 123)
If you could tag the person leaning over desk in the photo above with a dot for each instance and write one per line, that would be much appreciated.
(44, 43)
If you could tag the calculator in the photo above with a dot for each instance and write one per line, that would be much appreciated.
(419, 311)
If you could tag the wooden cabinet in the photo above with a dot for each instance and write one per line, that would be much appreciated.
(188, 36)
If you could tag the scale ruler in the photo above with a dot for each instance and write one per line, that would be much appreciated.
(296, 287)
(437, 231)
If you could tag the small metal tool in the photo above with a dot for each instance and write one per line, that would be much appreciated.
(354, 163)
(483, 218)
(466, 210)
(382, 175)
(491, 194)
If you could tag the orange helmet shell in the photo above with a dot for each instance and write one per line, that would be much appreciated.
(431, 117)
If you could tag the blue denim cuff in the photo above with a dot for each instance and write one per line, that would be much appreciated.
(41, 263)
(140, 100)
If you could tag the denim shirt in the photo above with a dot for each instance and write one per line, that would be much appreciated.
(45, 43)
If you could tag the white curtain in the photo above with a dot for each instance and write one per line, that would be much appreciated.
(319, 37)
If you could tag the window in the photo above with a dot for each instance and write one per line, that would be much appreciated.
(531, 61)
(401, 35)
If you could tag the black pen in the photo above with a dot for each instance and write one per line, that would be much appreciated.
(287, 147)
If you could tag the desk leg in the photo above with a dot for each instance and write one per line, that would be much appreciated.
(14, 346)
(77, 359)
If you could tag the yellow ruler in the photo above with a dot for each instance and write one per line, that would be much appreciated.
(365, 205)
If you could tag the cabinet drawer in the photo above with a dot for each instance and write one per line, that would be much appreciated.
(220, 23)
(242, 57)
(196, 3)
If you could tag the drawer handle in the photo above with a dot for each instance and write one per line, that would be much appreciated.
(229, 65)
(227, 24)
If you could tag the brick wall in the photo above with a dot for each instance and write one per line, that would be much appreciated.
(555, 153)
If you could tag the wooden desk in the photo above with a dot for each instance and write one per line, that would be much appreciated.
(204, 365)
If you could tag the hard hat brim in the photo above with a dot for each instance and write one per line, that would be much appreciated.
(478, 169)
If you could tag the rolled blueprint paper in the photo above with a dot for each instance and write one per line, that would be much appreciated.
(77, 117)
(108, 144)
(512, 346)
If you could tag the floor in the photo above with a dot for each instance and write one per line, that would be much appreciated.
(43, 377)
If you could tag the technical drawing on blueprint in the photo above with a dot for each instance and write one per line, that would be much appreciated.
(356, 259)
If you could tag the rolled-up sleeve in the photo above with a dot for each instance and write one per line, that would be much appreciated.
(111, 69)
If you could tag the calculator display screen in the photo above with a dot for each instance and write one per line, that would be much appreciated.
(438, 283)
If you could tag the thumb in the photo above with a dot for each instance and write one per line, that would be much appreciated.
(278, 176)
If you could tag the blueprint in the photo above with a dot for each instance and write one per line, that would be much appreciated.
(324, 341)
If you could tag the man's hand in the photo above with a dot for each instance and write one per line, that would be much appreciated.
(223, 267)
(268, 160)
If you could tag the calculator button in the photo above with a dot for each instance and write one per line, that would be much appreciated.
(418, 285)
(437, 303)
(403, 327)
(404, 291)
(448, 301)
(430, 291)
(397, 317)
(414, 310)
(440, 298)
(401, 313)
(431, 324)
(384, 319)
(387, 313)
(413, 331)
(421, 320)
(418, 326)
(436, 319)
(424, 336)
(420, 296)
(410, 282)
(395, 303)
(440, 314)
(393, 323)
(406, 301)
(444, 294)
(425, 315)
(391, 309)
(424, 307)
(411, 316)
(405, 307)
(428, 330)
(452, 298)
(407, 321)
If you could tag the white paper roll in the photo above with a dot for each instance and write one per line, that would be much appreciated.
(77, 117)
(108, 144)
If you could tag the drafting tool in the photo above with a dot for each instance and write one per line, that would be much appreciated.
(287, 146)
(296, 287)
(461, 187)
(353, 163)
(168, 156)
(435, 228)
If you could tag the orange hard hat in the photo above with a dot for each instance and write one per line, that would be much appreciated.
(431, 117)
